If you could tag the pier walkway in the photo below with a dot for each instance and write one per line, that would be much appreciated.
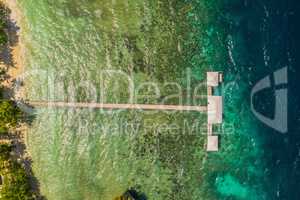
(119, 106)
(214, 108)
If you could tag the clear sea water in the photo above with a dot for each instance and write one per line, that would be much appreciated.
(84, 154)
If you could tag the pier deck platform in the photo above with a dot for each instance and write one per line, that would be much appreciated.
(214, 109)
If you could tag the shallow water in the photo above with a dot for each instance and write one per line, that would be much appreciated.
(88, 154)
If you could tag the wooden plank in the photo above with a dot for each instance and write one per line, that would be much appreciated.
(118, 106)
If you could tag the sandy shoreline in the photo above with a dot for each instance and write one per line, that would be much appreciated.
(18, 55)
(19, 136)
(18, 51)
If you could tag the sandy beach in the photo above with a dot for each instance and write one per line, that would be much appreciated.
(18, 51)
(19, 136)
(18, 54)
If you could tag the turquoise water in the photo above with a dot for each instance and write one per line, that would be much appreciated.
(88, 154)
(79, 154)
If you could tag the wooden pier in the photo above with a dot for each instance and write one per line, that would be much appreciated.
(214, 108)
(118, 106)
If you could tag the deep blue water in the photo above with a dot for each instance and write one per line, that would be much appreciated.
(265, 35)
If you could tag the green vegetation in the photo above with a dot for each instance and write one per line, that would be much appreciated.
(15, 181)
(10, 115)
(3, 24)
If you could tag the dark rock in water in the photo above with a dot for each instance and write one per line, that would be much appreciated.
(132, 194)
